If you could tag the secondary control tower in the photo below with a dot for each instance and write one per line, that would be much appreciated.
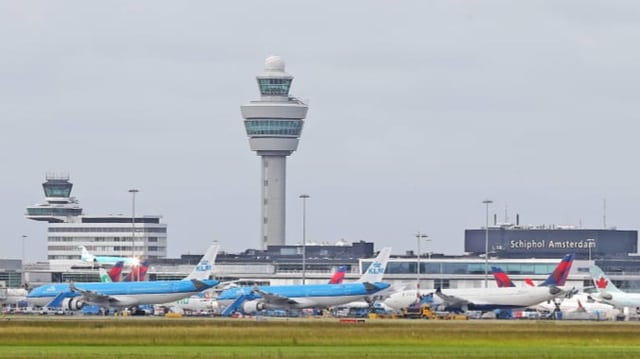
(273, 124)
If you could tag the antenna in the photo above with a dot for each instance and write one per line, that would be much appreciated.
(604, 213)
(506, 213)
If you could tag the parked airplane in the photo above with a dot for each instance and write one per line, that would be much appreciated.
(609, 293)
(202, 302)
(477, 298)
(307, 296)
(74, 296)
(137, 272)
(115, 274)
(338, 276)
(580, 303)
(90, 258)
(12, 296)
(558, 277)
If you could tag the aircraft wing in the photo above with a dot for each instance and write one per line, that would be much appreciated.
(452, 300)
(91, 296)
(275, 299)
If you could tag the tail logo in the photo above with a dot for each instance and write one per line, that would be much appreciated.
(602, 283)
(203, 266)
(376, 268)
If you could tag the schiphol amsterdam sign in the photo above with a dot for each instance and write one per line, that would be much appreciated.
(547, 244)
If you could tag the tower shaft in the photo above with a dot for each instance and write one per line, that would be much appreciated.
(274, 124)
(274, 197)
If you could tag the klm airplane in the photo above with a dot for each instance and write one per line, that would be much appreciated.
(74, 296)
(258, 298)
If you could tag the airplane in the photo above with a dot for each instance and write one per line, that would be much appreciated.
(74, 296)
(338, 276)
(609, 293)
(557, 278)
(483, 299)
(202, 302)
(260, 298)
(105, 277)
(85, 256)
(137, 272)
(580, 303)
(115, 274)
(12, 296)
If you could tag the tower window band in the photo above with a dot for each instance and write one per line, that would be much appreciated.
(278, 87)
(267, 127)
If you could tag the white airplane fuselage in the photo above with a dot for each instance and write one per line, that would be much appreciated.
(479, 298)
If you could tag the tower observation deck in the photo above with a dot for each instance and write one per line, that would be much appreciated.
(274, 124)
(59, 203)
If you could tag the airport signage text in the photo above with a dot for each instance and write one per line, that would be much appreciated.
(546, 244)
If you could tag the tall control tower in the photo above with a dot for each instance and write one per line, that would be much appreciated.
(273, 124)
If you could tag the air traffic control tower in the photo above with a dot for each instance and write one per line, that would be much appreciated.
(273, 124)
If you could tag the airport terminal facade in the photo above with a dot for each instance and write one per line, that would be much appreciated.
(523, 252)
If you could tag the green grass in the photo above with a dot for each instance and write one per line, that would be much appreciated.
(313, 338)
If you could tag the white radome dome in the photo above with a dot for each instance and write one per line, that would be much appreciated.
(274, 63)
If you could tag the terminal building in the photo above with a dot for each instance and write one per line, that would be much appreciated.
(515, 241)
(112, 235)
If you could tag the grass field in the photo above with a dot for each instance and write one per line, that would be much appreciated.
(47, 337)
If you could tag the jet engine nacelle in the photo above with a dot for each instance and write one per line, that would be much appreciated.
(252, 306)
(72, 304)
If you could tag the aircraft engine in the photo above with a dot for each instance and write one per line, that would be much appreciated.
(72, 304)
(252, 306)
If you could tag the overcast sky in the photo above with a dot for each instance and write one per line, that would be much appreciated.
(419, 110)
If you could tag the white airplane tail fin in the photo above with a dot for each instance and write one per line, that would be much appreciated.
(85, 255)
(375, 272)
(205, 267)
(601, 281)
(104, 276)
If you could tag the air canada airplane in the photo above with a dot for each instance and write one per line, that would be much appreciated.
(252, 299)
(609, 293)
(74, 296)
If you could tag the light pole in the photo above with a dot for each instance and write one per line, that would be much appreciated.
(304, 236)
(487, 202)
(24, 236)
(419, 236)
(133, 192)
(589, 241)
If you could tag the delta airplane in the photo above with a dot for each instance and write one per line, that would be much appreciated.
(485, 299)
(338, 276)
(557, 278)
(307, 296)
(609, 293)
(85, 256)
(119, 295)
(573, 302)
